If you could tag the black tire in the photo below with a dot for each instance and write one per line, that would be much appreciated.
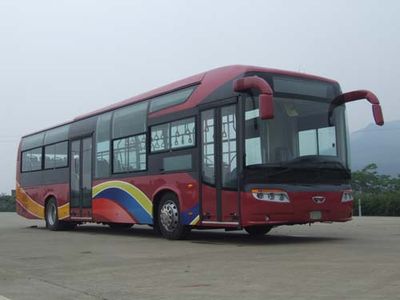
(68, 225)
(120, 225)
(169, 218)
(155, 226)
(258, 230)
(51, 217)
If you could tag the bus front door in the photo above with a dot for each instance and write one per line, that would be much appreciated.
(81, 179)
(219, 165)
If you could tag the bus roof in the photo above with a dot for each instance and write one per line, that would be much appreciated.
(209, 81)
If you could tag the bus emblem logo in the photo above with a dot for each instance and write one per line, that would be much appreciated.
(319, 199)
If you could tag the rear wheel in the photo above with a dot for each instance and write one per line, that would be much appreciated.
(258, 230)
(51, 217)
(169, 220)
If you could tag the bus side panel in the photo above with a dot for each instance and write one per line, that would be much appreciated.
(31, 200)
(229, 204)
(209, 203)
(130, 200)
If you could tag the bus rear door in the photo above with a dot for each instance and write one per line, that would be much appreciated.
(81, 179)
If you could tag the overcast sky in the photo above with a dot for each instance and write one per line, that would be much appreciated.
(59, 59)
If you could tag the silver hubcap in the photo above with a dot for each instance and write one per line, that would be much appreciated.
(169, 215)
(51, 214)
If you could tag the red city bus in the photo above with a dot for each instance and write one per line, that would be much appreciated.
(237, 147)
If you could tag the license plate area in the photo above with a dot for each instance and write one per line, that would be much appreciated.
(315, 215)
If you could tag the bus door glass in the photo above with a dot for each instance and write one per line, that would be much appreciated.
(220, 197)
(81, 178)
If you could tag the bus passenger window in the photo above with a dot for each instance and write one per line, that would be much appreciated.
(49, 153)
(182, 133)
(174, 135)
(102, 161)
(56, 155)
(129, 154)
(130, 120)
(171, 99)
(160, 138)
(32, 160)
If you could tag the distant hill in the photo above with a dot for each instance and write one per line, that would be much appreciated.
(376, 144)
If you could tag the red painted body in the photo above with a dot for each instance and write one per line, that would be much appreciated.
(196, 199)
(253, 212)
(151, 185)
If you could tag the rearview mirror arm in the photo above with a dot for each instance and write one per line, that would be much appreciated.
(359, 95)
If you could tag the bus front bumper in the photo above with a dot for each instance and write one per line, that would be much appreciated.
(301, 209)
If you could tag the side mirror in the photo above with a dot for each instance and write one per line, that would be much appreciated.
(378, 115)
(359, 95)
(265, 98)
(266, 106)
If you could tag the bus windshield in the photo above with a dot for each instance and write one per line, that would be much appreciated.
(302, 133)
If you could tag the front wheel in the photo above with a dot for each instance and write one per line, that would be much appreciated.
(169, 220)
(258, 230)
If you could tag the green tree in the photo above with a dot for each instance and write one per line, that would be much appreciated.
(380, 194)
(7, 202)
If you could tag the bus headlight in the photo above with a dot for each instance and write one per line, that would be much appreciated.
(347, 196)
(270, 195)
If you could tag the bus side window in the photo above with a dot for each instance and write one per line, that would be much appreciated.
(32, 160)
(102, 161)
(130, 154)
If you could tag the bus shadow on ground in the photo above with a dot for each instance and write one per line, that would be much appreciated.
(212, 237)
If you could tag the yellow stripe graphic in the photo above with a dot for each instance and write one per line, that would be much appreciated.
(37, 209)
(28, 203)
(63, 211)
(136, 193)
(195, 220)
